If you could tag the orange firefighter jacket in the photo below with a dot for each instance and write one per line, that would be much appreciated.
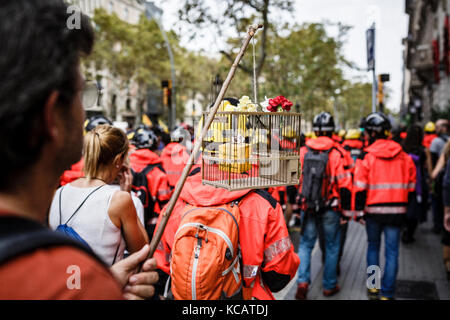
(269, 260)
(75, 172)
(428, 139)
(384, 176)
(174, 158)
(157, 179)
(353, 144)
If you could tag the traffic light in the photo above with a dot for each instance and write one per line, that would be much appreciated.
(167, 92)
(380, 95)
(382, 78)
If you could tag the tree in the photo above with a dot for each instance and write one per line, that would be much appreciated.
(304, 66)
(128, 54)
(355, 102)
(238, 14)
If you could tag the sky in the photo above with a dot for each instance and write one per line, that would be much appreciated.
(391, 26)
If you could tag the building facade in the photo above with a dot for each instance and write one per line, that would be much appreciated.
(118, 104)
(426, 54)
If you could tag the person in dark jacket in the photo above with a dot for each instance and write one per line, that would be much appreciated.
(443, 165)
(446, 238)
(418, 206)
(436, 149)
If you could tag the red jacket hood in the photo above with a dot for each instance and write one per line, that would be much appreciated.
(358, 144)
(321, 143)
(144, 156)
(384, 148)
(173, 148)
(197, 194)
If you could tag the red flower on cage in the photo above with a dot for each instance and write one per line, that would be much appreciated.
(286, 104)
(277, 102)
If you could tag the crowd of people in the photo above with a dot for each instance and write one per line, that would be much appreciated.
(396, 176)
(105, 191)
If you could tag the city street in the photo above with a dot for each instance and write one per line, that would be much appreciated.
(180, 150)
(421, 274)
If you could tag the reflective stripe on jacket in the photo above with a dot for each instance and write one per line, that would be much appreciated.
(384, 176)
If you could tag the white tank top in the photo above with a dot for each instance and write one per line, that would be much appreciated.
(92, 221)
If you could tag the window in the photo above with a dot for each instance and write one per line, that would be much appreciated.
(128, 104)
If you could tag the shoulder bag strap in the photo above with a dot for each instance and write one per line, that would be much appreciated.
(60, 215)
(82, 202)
(118, 246)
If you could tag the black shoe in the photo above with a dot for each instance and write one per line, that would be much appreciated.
(408, 239)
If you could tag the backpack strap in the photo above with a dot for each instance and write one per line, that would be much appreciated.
(60, 214)
(118, 246)
(19, 236)
(239, 258)
(79, 207)
(323, 151)
(445, 139)
(195, 171)
(150, 167)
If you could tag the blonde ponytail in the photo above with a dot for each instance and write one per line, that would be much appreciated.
(102, 146)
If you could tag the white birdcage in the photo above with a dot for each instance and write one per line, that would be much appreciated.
(252, 150)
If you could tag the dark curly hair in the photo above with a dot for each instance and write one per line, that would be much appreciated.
(40, 54)
(413, 141)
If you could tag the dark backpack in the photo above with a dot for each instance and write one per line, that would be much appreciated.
(142, 190)
(314, 169)
(19, 236)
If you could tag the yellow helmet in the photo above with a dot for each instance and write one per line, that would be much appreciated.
(353, 134)
(131, 135)
(430, 127)
(310, 135)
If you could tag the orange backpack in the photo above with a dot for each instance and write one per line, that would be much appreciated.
(206, 255)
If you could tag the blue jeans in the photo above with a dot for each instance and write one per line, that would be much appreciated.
(330, 222)
(392, 239)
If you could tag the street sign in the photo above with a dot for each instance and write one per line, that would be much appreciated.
(370, 37)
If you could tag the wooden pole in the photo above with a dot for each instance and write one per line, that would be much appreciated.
(194, 155)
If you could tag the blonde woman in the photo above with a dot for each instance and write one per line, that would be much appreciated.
(100, 213)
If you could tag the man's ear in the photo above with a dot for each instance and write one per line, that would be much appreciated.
(51, 116)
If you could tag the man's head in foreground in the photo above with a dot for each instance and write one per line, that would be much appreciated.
(41, 114)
